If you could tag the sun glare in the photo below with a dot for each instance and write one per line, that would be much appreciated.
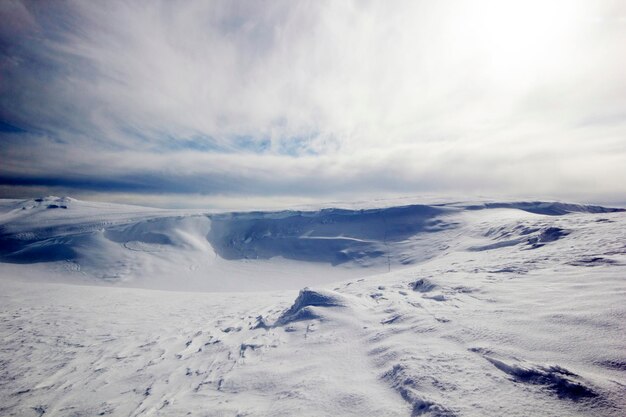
(518, 42)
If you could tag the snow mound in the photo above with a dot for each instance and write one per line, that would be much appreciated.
(563, 383)
(306, 305)
(423, 285)
(401, 380)
(547, 235)
(531, 236)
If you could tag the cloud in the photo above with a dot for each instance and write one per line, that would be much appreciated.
(314, 99)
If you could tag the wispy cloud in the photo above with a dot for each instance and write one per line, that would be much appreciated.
(314, 99)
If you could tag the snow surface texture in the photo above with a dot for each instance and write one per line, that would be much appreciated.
(490, 309)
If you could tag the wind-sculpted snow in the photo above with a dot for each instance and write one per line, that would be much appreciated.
(122, 240)
(423, 285)
(473, 325)
(115, 243)
(304, 308)
(559, 380)
(399, 377)
(333, 235)
(530, 237)
(547, 208)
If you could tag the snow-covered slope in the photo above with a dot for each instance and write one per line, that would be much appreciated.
(168, 249)
(458, 309)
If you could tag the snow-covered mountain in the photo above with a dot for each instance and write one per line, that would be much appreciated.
(475, 309)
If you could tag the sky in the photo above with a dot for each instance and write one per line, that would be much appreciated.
(250, 104)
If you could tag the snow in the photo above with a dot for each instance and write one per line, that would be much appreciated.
(463, 309)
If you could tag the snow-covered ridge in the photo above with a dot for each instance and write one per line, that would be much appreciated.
(118, 239)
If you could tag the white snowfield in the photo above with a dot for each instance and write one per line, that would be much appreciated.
(489, 309)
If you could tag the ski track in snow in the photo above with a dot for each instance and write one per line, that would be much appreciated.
(512, 310)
